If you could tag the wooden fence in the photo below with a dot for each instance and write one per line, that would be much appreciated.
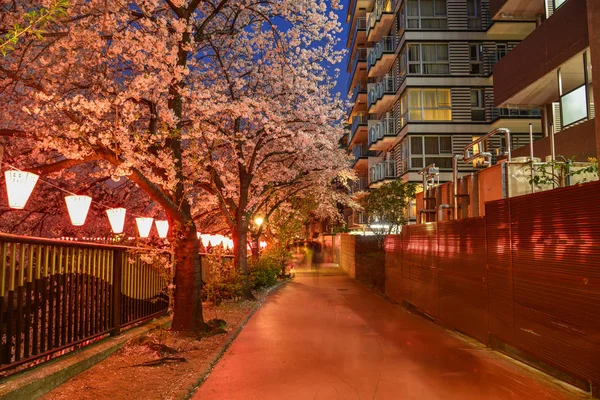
(525, 278)
(57, 295)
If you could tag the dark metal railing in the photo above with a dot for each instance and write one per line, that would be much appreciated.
(58, 295)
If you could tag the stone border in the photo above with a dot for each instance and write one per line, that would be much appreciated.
(41, 379)
(192, 384)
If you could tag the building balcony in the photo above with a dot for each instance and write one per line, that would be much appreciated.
(382, 172)
(361, 154)
(382, 134)
(360, 92)
(359, 99)
(517, 120)
(516, 9)
(358, 36)
(359, 186)
(381, 57)
(359, 130)
(381, 96)
(381, 19)
(527, 74)
(357, 219)
(358, 72)
(514, 17)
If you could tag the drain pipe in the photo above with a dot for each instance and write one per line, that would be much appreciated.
(441, 209)
(531, 157)
(552, 146)
(455, 182)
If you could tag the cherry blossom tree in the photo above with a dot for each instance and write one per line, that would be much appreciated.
(196, 103)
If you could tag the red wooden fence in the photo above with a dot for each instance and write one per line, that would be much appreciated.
(525, 278)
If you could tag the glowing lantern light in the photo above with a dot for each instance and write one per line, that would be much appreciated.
(263, 245)
(259, 221)
(19, 186)
(205, 240)
(116, 217)
(144, 226)
(162, 227)
(78, 207)
(218, 240)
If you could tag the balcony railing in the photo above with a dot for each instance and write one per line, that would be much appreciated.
(361, 185)
(357, 121)
(384, 128)
(360, 87)
(360, 57)
(474, 23)
(361, 151)
(386, 46)
(381, 7)
(382, 171)
(491, 58)
(361, 25)
(386, 86)
(514, 112)
(358, 218)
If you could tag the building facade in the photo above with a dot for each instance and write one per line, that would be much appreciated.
(421, 82)
(551, 69)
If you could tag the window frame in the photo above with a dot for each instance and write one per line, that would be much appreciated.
(420, 17)
(478, 61)
(481, 103)
(422, 109)
(421, 64)
(424, 156)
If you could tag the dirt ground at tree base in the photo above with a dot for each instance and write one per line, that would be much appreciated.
(121, 376)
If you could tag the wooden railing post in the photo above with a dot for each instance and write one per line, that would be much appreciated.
(116, 292)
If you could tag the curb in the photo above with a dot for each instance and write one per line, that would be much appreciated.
(190, 387)
(40, 380)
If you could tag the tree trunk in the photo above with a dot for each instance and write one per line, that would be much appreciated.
(187, 311)
(240, 252)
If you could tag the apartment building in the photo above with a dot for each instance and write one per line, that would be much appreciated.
(421, 80)
(551, 69)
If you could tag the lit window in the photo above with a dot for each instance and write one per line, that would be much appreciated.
(429, 105)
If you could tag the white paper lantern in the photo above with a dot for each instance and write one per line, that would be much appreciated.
(216, 240)
(19, 186)
(116, 217)
(78, 207)
(205, 240)
(144, 226)
(162, 226)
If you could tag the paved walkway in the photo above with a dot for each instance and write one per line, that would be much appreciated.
(324, 336)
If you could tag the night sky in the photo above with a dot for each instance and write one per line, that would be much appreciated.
(342, 84)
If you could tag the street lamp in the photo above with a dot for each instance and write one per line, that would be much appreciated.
(259, 221)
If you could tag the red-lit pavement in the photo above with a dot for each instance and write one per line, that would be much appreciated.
(324, 336)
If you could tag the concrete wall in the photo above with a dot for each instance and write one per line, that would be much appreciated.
(347, 254)
(363, 259)
(578, 141)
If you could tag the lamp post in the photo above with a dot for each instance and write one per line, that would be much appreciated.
(258, 221)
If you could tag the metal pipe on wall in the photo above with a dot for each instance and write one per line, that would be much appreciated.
(552, 145)
(531, 156)
(455, 182)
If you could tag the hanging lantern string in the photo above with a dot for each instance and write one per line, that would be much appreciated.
(67, 191)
